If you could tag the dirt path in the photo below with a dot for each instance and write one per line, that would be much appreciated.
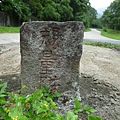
(9, 59)
(102, 64)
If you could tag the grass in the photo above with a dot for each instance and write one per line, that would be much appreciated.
(101, 44)
(114, 34)
(4, 29)
(87, 30)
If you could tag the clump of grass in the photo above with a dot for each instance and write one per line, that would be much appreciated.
(101, 44)
(4, 29)
(114, 34)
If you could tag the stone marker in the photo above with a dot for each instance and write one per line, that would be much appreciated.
(50, 55)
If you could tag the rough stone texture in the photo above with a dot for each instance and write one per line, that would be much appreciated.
(50, 54)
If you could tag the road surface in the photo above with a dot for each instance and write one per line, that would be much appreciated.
(95, 35)
(6, 38)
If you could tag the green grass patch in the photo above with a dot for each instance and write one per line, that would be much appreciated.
(87, 30)
(101, 44)
(9, 29)
(114, 34)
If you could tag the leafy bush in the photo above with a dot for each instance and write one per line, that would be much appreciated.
(37, 106)
(104, 29)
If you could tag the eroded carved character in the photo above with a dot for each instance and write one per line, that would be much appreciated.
(50, 38)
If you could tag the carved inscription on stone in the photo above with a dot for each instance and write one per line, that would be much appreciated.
(48, 59)
(50, 37)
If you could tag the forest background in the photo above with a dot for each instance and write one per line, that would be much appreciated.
(62, 10)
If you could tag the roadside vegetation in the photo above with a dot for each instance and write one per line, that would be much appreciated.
(5, 29)
(87, 30)
(110, 33)
(110, 21)
(50, 10)
(111, 16)
(101, 44)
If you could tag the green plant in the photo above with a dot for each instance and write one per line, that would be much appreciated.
(70, 115)
(104, 29)
(85, 108)
(2, 92)
(39, 105)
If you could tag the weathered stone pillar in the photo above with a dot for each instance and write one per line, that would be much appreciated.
(50, 55)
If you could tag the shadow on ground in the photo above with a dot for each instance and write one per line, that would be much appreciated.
(13, 82)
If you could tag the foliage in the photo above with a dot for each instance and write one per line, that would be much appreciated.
(50, 10)
(111, 16)
(65, 10)
(87, 30)
(16, 8)
(96, 23)
(81, 11)
(110, 33)
(93, 18)
(37, 106)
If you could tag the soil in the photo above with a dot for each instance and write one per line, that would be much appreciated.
(99, 82)
(101, 63)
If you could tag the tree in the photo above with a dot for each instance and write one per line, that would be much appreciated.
(50, 10)
(81, 10)
(57, 10)
(93, 17)
(111, 16)
(16, 8)
(64, 9)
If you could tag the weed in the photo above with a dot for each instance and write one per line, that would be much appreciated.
(37, 106)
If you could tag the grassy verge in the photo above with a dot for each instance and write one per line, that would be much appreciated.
(101, 44)
(114, 34)
(87, 30)
(9, 29)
